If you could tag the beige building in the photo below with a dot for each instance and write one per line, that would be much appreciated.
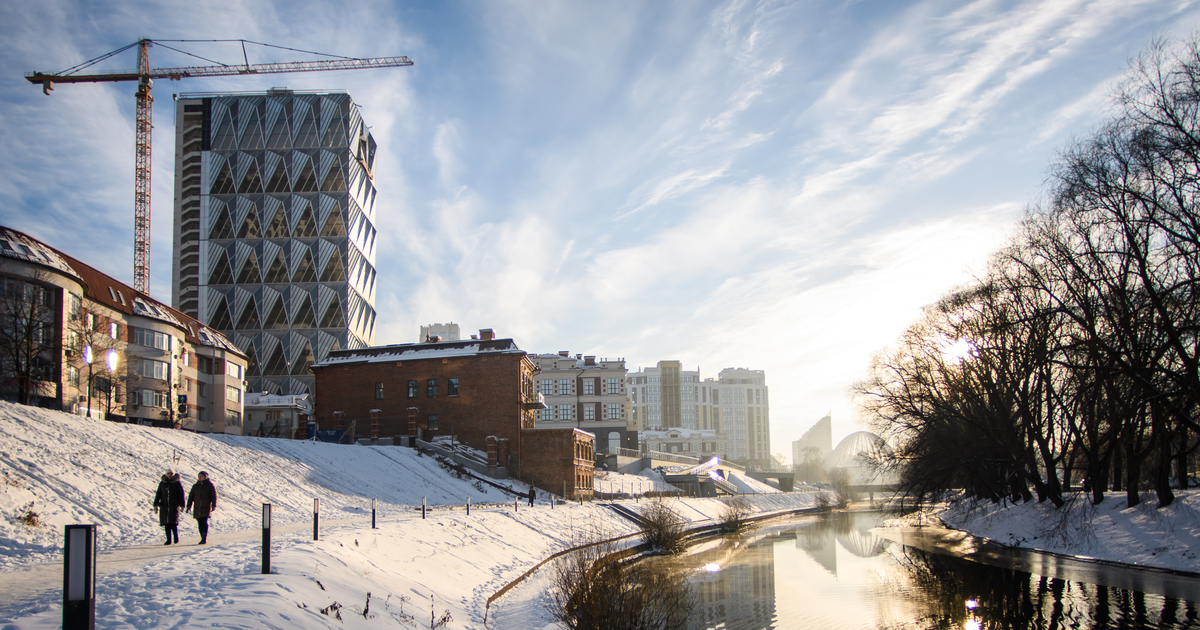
(585, 393)
(735, 405)
(104, 350)
(698, 443)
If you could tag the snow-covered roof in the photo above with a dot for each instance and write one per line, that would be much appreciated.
(418, 351)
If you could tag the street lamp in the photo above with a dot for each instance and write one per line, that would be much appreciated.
(87, 358)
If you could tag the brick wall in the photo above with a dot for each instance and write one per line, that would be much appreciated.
(558, 455)
(489, 399)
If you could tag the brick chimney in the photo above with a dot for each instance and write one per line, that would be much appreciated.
(486, 334)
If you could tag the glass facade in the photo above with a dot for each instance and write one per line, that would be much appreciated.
(275, 227)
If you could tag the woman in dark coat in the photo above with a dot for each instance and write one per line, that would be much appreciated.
(168, 500)
(204, 497)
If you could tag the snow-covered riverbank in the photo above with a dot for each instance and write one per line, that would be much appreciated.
(1143, 535)
(64, 469)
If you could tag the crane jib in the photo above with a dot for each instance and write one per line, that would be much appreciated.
(217, 71)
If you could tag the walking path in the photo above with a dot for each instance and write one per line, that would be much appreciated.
(34, 580)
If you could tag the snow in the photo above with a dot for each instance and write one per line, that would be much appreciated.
(1143, 535)
(69, 469)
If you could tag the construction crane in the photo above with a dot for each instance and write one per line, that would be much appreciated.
(145, 78)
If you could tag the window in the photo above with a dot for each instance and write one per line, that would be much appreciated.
(152, 369)
(412, 389)
(614, 386)
(545, 415)
(431, 388)
(233, 369)
(613, 411)
(73, 376)
(202, 389)
(233, 394)
(233, 418)
(564, 412)
(378, 391)
(564, 386)
(589, 412)
(589, 387)
(149, 398)
(113, 330)
(151, 339)
(433, 422)
(451, 387)
(547, 386)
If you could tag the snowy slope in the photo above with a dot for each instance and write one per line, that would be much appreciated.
(67, 469)
(1168, 538)
(70, 469)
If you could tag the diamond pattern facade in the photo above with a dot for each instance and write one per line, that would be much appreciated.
(275, 227)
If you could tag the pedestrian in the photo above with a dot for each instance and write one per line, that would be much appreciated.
(531, 494)
(168, 501)
(203, 497)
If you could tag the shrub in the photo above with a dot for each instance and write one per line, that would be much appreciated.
(600, 588)
(31, 518)
(662, 528)
(735, 515)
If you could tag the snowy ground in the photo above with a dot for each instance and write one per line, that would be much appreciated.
(1167, 538)
(57, 469)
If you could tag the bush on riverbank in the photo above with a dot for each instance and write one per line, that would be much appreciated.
(662, 528)
(602, 588)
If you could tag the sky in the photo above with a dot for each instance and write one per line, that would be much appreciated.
(778, 186)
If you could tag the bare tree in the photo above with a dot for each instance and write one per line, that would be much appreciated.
(29, 344)
(91, 341)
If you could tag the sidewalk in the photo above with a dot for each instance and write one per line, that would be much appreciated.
(35, 580)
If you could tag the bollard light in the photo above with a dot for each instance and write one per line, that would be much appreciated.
(372, 513)
(266, 539)
(316, 518)
(422, 508)
(79, 577)
(468, 506)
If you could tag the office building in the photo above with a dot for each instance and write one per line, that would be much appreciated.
(274, 235)
(734, 405)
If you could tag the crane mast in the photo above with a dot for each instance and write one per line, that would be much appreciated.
(145, 114)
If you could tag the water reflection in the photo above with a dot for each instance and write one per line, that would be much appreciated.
(833, 572)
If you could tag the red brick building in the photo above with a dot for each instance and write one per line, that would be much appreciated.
(481, 391)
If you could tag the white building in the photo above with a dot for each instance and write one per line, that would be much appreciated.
(735, 405)
(699, 443)
(441, 332)
(268, 415)
(742, 395)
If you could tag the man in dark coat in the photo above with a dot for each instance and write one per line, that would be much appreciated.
(168, 501)
(203, 497)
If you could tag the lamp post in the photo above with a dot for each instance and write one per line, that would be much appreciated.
(79, 578)
(111, 360)
(87, 358)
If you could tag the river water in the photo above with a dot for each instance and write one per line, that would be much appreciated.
(832, 571)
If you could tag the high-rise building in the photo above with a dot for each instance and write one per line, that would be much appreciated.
(585, 393)
(668, 397)
(810, 453)
(275, 227)
(745, 415)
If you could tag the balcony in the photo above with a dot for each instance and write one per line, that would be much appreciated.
(535, 401)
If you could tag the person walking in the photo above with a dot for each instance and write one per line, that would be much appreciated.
(168, 501)
(203, 497)
(531, 495)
